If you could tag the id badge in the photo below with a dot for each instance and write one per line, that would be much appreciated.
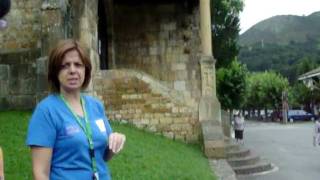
(95, 176)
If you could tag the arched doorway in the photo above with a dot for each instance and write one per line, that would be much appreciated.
(102, 35)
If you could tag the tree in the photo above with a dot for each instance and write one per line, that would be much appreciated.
(302, 96)
(225, 30)
(304, 65)
(231, 85)
(264, 90)
(254, 93)
(299, 95)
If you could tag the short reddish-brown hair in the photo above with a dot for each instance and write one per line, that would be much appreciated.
(55, 61)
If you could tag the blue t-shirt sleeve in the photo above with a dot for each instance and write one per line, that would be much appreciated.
(42, 130)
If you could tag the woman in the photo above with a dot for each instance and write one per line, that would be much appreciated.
(316, 134)
(69, 135)
(239, 127)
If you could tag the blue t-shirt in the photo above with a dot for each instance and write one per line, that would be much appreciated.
(54, 126)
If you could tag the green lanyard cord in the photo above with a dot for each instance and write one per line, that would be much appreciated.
(86, 129)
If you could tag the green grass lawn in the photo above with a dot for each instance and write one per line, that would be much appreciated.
(145, 157)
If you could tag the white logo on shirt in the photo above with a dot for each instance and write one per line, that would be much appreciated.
(71, 129)
(101, 126)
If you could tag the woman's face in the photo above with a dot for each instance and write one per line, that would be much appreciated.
(72, 72)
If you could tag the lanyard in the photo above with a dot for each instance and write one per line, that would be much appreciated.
(86, 129)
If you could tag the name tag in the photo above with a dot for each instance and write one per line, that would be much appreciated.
(101, 126)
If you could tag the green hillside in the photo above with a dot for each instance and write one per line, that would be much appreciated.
(287, 44)
(283, 30)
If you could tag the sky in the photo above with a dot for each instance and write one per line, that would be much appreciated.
(255, 11)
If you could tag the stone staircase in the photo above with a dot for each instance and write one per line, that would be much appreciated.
(245, 162)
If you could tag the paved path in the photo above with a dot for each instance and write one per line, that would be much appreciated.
(222, 169)
(288, 146)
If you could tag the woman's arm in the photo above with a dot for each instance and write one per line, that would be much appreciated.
(41, 162)
(1, 165)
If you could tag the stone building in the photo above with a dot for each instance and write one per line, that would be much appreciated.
(152, 61)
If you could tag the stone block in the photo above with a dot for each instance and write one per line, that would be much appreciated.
(180, 120)
(22, 102)
(4, 72)
(178, 66)
(26, 86)
(152, 129)
(154, 121)
(192, 138)
(4, 104)
(42, 64)
(165, 120)
(215, 149)
(181, 75)
(172, 26)
(179, 137)
(164, 35)
(4, 88)
(14, 86)
(183, 58)
(180, 85)
(169, 135)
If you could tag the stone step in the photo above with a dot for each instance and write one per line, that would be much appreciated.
(243, 161)
(253, 169)
(214, 149)
(238, 153)
(231, 146)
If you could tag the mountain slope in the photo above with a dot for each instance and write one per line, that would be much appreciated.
(282, 30)
(286, 44)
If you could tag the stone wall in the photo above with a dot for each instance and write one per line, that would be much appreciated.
(226, 123)
(24, 25)
(137, 98)
(158, 41)
(161, 39)
(18, 79)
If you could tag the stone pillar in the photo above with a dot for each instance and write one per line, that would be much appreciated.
(209, 106)
(88, 36)
(205, 26)
(51, 25)
(206, 43)
(51, 33)
(4, 86)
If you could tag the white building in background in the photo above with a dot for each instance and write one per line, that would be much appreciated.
(311, 79)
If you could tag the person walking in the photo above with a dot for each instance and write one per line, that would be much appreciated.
(69, 134)
(316, 134)
(239, 127)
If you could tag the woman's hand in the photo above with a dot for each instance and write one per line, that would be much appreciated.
(116, 142)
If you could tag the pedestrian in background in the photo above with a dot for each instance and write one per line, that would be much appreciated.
(239, 127)
(316, 134)
(69, 134)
